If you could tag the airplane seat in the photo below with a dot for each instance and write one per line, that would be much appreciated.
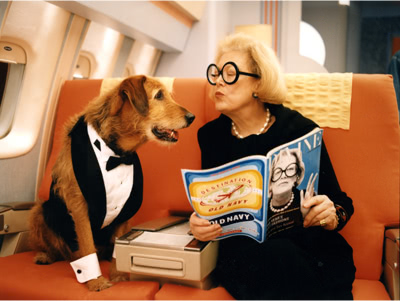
(366, 158)
(23, 279)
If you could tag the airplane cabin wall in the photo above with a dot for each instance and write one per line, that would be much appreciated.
(50, 36)
(104, 43)
(56, 41)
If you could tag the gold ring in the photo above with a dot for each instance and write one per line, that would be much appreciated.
(322, 222)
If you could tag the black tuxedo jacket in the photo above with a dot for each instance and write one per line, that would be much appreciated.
(88, 175)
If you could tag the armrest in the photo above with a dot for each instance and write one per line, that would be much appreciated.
(14, 217)
(14, 227)
(391, 262)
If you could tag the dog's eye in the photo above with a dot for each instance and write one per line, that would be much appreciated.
(159, 95)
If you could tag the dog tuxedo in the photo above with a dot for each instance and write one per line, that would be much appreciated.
(111, 185)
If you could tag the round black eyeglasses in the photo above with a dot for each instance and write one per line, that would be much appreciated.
(290, 171)
(230, 73)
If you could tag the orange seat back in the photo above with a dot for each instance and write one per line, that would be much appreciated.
(74, 96)
(366, 160)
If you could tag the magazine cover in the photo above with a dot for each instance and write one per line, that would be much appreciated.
(258, 196)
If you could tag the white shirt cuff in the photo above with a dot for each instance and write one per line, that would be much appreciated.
(86, 268)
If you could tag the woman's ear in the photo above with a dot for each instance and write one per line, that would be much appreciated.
(256, 87)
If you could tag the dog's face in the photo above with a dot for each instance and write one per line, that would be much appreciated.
(148, 110)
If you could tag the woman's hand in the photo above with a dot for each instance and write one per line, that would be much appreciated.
(308, 194)
(202, 229)
(322, 213)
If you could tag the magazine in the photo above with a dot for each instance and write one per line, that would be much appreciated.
(258, 196)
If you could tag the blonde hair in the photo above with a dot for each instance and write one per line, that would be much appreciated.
(263, 61)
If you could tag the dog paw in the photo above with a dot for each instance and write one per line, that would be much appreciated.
(42, 258)
(98, 284)
(119, 276)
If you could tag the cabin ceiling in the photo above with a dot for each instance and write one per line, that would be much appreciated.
(151, 22)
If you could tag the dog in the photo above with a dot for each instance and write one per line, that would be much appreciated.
(79, 222)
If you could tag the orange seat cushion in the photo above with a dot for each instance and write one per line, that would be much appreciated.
(369, 290)
(23, 279)
(180, 292)
(362, 290)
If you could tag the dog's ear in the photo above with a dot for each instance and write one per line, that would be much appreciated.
(132, 89)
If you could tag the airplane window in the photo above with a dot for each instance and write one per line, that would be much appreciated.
(12, 66)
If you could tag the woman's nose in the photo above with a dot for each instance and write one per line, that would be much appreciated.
(220, 80)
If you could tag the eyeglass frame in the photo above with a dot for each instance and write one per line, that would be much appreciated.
(238, 73)
(283, 171)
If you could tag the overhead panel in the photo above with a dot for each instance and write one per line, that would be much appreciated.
(141, 20)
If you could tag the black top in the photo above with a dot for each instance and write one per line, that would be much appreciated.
(219, 146)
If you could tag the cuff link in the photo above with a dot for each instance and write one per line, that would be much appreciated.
(86, 268)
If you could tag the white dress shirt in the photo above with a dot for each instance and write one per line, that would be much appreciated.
(118, 184)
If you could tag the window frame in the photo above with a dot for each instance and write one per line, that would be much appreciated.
(15, 57)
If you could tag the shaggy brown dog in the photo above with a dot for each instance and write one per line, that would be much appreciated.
(65, 227)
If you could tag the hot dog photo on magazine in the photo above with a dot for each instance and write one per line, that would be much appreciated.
(258, 196)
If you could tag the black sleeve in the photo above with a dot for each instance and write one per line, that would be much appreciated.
(329, 185)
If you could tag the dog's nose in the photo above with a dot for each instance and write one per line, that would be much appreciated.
(189, 118)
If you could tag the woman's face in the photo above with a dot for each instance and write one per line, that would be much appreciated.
(230, 99)
(283, 183)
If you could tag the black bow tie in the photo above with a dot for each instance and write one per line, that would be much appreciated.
(115, 161)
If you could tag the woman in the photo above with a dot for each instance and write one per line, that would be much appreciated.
(312, 261)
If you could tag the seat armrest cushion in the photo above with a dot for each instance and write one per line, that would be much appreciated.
(391, 262)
